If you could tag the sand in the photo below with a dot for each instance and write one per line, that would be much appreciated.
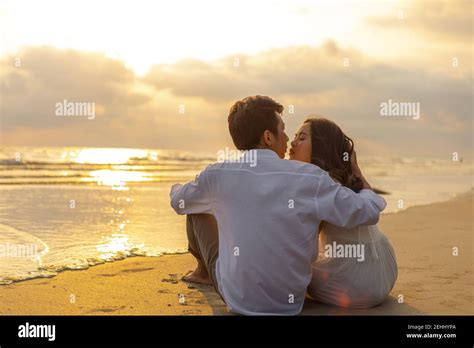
(431, 279)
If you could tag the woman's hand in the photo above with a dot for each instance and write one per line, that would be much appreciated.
(355, 167)
(357, 172)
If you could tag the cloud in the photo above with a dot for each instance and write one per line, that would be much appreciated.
(292, 70)
(316, 79)
(340, 83)
(128, 112)
(32, 83)
(441, 19)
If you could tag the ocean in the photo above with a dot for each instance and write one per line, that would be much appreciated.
(75, 207)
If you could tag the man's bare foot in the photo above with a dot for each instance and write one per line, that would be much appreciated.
(197, 276)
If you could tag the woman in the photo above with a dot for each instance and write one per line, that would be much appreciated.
(357, 267)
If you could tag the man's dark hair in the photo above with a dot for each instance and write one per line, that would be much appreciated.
(250, 117)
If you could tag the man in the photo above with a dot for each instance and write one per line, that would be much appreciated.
(253, 228)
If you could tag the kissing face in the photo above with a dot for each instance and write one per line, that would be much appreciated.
(301, 146)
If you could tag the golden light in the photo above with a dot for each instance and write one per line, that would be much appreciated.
(169, 31)
(117, 179)
(108, 155)
(115, 244)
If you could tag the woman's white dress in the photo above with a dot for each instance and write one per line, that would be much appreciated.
(352, 276)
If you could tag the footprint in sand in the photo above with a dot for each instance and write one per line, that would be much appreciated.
(133, 270)
(107, 310)
(173, 279)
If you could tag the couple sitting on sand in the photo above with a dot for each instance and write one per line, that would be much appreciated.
(253, 227)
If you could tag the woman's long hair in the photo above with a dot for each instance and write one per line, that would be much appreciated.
(331, 150)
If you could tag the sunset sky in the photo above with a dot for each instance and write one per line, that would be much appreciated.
(140, 61)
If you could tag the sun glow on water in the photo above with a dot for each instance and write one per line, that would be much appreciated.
(108, 156)
(117, 179)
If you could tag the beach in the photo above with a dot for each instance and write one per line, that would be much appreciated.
(70, 208)
(433, 244)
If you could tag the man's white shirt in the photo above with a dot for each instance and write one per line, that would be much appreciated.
(268, 217)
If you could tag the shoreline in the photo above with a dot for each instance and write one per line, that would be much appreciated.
(431, 280)
(180, 252)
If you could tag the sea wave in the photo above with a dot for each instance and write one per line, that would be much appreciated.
(17, 268)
